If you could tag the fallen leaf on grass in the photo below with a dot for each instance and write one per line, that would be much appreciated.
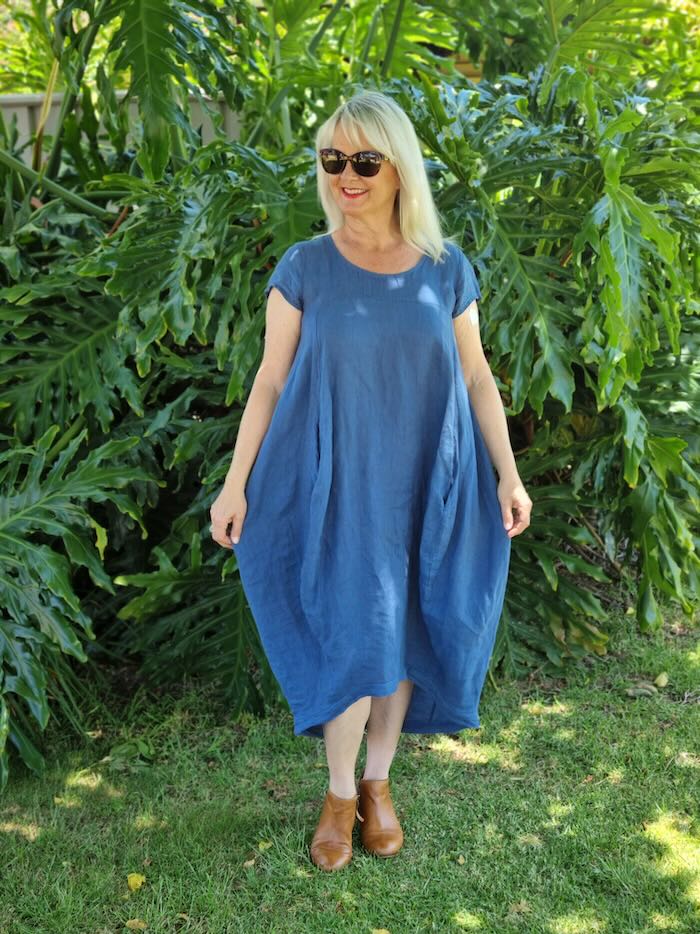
(135, 880)
(641, 691)
(461, 860)
(264, 844)
(136, 924)
(249, 862)
(686, 758)
(649, 685)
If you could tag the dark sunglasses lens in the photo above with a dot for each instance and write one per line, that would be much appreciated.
(367, 164)
(331, 162)
(366, 169)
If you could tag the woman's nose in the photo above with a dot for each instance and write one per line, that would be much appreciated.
(348, 172)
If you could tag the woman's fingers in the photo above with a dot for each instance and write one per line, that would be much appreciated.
(519, 524)
(515, 508)
(219, 532)
(521, 516)
(226, 531)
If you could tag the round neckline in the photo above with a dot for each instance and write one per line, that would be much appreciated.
(370, 272)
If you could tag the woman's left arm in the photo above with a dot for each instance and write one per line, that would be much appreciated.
(486, 401)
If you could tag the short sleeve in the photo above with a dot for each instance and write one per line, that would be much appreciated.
(287, 276)
(466, 284)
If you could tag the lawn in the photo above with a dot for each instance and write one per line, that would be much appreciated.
(574, 809)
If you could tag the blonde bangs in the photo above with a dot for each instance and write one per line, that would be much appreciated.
(387, 129)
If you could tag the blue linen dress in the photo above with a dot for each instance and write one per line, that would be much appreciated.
(373, 547)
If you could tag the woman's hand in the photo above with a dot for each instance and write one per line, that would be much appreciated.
(228, 509)
(515, 505)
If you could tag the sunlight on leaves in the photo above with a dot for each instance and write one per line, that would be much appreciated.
(85, 778)
(27, 830)
(67, 801)
(529, 839)
(537, 707)
(150, 822)
(467, 921)
(681, 859)
(665, 922)
(476, 754)
(577, 924)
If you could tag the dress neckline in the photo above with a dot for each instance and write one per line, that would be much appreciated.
(370, 272)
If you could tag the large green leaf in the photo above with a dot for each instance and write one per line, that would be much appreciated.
(606, 31)
(44, 522)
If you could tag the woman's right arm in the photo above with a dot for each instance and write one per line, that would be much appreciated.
(282, 331)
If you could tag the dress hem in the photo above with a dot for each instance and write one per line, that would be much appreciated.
(312, 725)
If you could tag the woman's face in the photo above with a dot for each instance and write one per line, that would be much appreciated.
(379, 191)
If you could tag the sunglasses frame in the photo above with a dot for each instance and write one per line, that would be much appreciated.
(343, 159)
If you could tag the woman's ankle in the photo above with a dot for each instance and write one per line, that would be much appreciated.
(374, 774)
(342, 789)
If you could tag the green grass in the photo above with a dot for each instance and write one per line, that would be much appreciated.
(574, 809)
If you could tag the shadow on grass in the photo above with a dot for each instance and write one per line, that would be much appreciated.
(572, 809)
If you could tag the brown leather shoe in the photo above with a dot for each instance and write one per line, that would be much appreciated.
(331, 846)
(380, 830)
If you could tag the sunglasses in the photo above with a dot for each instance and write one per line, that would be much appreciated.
(366, 163)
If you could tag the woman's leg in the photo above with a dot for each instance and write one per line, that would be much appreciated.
(342, 736)
(384, 728)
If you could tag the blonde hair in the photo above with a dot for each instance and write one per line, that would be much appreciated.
(388, 129)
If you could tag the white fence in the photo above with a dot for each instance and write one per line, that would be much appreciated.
(25, 109)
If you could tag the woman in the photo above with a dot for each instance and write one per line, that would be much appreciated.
(372, 539)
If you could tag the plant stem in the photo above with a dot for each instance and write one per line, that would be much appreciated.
(37, 177)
